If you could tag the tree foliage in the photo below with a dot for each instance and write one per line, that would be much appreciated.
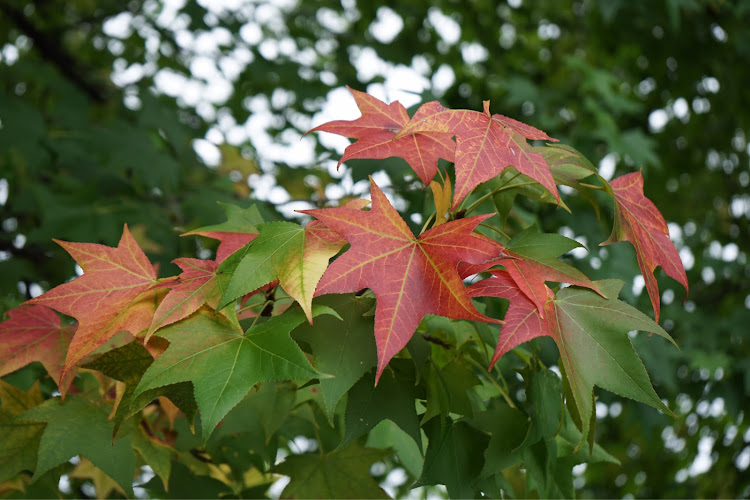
(91, 139)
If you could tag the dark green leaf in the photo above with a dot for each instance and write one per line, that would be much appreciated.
(369, 404)
(342, 473)
(344, 349)
(20, 439)
(77, 427)
(453, 456)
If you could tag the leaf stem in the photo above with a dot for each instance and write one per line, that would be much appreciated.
(442, 177)
(591, 186)
(493, 228)
(427, 222)
(503, 391)
(506, 185)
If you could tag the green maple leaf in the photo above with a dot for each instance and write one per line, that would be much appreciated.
(391, 399)
(78, 427)
(345, 351)
(591, 333)
(454, 456)
(157, 454)
(223, 363)
(343, 473)
(20, 439)
(296, 256)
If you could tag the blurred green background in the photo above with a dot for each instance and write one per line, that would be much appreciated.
(149, 112)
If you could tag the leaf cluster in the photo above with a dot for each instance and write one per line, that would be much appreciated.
(386, 357)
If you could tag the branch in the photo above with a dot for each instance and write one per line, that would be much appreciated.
(50, 47)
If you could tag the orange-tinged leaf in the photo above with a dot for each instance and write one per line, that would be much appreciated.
(195, 286)
(109, 297)
(411, 277)
(485, 145)
(287, 252)
(375, 131)
(34, 333)
(638, 221)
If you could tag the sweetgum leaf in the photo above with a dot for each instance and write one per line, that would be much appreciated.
(195, 286)
(34, 333)
(20, 441)
(342, 473)
(411, 277)
(585, 326)
(538, 263)
(453, 457)
(368, 405)
(638, 221)
(156, 453)
(375, 131)
(294, 255)
(127, 364)
(485, 145)
(78, 427)
(237, 231)
(223, 363)
(109, 297)
(103, 484)
(389, 435)
(522, 320)
(345, 350)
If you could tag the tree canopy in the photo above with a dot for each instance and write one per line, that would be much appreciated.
(148, 113)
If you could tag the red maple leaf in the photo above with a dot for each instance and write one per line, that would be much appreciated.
(638, 221)
(530, 277)
(109, 297)
(523, 320)
(411, 277)
(34, 333)
(375, 131)
(485, 145)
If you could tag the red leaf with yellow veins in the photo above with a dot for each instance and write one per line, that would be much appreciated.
(34, 333)
(536, 262)
(411, 277)
(485, 145)
(522, 320)
(109, 296)
(638, 221)
(375, 131)
(195, 286)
